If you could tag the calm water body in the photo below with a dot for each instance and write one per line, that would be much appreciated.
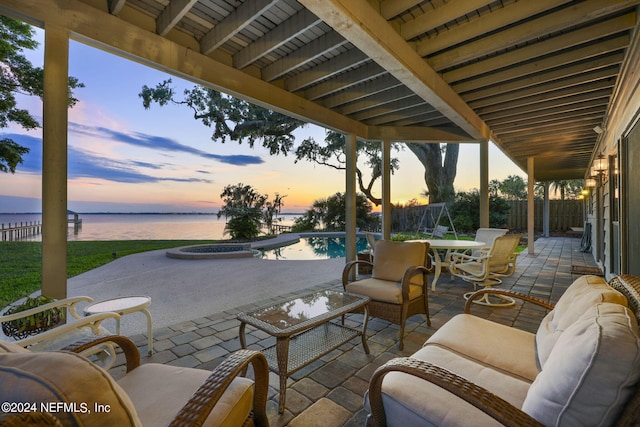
(140, 226)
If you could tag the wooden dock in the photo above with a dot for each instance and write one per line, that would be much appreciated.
(26, 230)
(20, 231)
(281, 228)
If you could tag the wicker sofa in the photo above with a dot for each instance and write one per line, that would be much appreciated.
(582, 366)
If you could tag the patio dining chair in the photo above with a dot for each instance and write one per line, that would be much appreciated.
(81, 393)
(398, 283)
(487, 269)
(487, 235)
(75, 327)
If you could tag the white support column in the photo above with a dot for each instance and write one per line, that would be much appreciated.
(530, 207)
(54, 162)
(484, 183)
(386, 189)
(545, 211)
(350, 197)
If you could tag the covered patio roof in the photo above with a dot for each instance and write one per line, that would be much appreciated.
(534, 77)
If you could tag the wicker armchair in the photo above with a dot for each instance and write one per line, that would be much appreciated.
(149, 394)
(436, 377)
(398, 285)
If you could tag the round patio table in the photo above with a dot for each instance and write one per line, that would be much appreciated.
(449, 246)
(126, 305)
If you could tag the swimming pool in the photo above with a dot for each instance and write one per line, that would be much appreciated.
(311, 248)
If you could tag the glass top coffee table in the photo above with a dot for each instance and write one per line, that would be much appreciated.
(304, 330)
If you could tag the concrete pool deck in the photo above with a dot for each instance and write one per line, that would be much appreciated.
(187, 289)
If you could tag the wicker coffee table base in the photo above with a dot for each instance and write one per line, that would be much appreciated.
(296, 350)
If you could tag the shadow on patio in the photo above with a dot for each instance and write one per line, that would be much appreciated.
(329, 392)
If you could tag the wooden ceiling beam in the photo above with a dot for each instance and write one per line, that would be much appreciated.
(439, 16)
(362, 25)
(280, 35)
(237, 20)
(416, 134)
(548, 98)
(608, 61)
(518, 72)
(345, 80)
(376, 100)
(534, 29)
(552, 89)
(373, 87)
(583, 124)
(550, 112)
(567, 102)
(115, 6)
(392, 8)
(499, 18)
(562, 43)
(99, 29)
(336, 65)
(533, 123)
(393, 107)
(172, 14)
(420, 112)
(306, 54)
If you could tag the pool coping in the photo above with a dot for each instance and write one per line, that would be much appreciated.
(290, 238)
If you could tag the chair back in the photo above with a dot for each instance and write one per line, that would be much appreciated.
(487, 235)
(371, 240)
(393, 258)
(502, 252)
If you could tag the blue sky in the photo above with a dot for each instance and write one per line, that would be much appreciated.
(123, 158)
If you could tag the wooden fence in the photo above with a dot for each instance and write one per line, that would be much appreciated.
(563, 214)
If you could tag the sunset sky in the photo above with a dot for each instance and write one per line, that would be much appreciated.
(123, 158)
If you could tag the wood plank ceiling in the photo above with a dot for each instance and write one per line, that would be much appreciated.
(536, 76)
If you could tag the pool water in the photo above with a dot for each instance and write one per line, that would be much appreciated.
(310, 248)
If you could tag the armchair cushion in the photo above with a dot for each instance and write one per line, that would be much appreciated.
(383, 290)
(591, 371)
(68, 378)
(393, 258)
(158, 392)
(583, 293)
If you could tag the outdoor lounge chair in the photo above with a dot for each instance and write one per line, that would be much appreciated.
(398, 284)
(75, 328)
(487, 269)
(151, 394)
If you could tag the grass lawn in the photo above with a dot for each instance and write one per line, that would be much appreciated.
(21, 262)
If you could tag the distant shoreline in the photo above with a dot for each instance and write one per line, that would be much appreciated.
(139, 213)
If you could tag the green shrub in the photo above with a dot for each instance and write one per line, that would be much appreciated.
(465, 211)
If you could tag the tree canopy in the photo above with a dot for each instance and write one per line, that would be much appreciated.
(19, 76)
(236, 120)
(245, 209)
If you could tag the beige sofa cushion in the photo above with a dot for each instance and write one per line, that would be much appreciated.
(503, 348)
(63, 377)
(159, 391)
(583, 293)
(410, 401)
(392, 259)
(591, 371)
(382, 290)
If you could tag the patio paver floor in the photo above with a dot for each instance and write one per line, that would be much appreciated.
(334, 385)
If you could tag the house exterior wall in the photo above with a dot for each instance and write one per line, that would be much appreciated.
(610, 250)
